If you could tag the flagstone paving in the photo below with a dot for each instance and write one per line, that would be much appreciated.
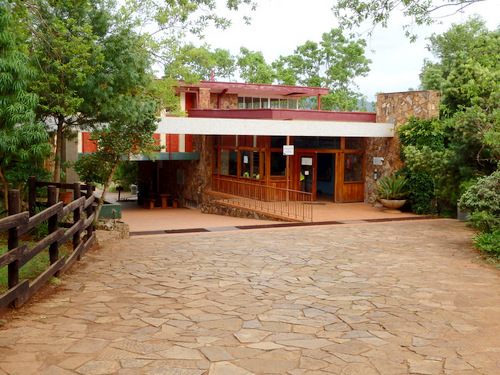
(385, 298)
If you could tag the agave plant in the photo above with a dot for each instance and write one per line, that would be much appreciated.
(392, 187)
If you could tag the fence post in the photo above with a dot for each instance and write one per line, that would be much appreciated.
(76, 216)
(32, 195)
(53, 248)
(90, 208)
(13, 241)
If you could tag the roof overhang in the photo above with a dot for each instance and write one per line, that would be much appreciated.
(217, 126)
(257, 89)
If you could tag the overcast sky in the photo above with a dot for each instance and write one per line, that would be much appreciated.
(278, 26)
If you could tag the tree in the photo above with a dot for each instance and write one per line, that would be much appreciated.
(129, 133)
(254, 68)
(66, 52)
(354, 13)
(332, 63)
(23, 151)
(466, 72)
(118, 96)
(23, 144)
(191, 63)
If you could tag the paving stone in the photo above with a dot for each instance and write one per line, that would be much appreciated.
(178, 352)
(227, 368)
(99, 368)
(281, 301)
(87, 346)
(251, 335)
(425, 367)
(216, 353)
(306, 344)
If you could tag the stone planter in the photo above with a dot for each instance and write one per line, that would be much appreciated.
(393, 204)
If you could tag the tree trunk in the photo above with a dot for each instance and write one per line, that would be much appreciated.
(5, 190)
(59, 143)
(106, 186)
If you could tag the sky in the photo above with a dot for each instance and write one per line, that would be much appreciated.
(278, 26)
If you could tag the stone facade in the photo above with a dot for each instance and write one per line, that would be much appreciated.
(395, 108)
(227, 101)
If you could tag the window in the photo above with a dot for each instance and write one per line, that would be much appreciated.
(250, 102)
(278, 141)
(228, 162)
(246, 164)
(353, 171)
(278, 164)
(325, 143)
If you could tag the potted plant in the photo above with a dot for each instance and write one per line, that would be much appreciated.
(391, 190)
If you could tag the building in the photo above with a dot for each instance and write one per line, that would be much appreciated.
(238, 137)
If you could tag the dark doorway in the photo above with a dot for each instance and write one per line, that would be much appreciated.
(326, 176)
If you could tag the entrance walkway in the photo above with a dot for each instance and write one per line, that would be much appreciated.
(160, 221)
(380, 298)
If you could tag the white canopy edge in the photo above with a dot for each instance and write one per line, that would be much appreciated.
(215, 126)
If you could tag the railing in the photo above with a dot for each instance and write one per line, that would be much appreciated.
(65, 223)
(277, 202)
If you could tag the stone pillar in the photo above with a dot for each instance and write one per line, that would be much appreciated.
(204, 98)
(395, 108)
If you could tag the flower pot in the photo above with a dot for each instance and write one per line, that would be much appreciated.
(66, 196)
(393, 204)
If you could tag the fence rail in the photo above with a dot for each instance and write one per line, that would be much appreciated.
(78, 218)
(277, 202)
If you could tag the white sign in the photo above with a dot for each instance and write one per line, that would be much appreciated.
(288, 150)
(307, 161)
(378, 160)
(245, 159)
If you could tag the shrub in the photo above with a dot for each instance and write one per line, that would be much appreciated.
(421, 192)
(484, 195)
(489, 243)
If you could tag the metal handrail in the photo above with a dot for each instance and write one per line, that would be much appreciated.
(281, 202)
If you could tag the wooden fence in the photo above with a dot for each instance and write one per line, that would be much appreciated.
(78, 218)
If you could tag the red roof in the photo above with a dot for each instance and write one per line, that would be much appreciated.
(258, 89)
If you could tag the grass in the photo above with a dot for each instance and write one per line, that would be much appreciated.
(34, 267)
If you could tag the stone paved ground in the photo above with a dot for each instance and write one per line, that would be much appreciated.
(387, 298)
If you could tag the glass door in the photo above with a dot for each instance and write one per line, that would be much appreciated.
(307, 174)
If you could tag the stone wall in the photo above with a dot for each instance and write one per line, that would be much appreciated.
(395, 108)
(228, 101)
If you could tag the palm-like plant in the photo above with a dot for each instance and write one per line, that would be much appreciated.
(392, 187)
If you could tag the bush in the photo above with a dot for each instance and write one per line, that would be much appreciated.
(489, 243)
(482, 221)
(484, 195)
(421, 192)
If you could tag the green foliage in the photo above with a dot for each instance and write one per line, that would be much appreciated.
(193, 64)
(422, 133)
(127, 174)
(23, 151)
(392, 187)
(253, 67)
(484, 195)
(16, 103)
(354, 13)
(489, 242)
(482, 199)
(483, 221)
(333, 63)
(93, 167)
(421, 191)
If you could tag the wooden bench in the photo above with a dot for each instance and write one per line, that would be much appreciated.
(149, 203)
